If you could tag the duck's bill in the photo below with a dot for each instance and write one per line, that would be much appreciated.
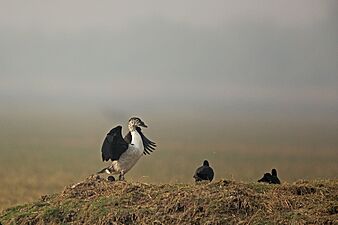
(143, 125)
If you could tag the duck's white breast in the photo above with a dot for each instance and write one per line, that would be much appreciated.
(129, 158)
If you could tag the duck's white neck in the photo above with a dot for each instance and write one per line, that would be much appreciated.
(136, 140)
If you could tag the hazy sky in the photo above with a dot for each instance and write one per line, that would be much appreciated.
(170, 58)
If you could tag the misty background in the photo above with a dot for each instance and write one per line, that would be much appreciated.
(249, 85)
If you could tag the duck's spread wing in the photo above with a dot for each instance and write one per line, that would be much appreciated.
(149, 146)
(113, 145)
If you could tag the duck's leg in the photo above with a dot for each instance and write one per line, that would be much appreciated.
(121, 177)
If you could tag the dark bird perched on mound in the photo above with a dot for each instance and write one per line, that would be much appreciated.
(270, 178)
(204, 172)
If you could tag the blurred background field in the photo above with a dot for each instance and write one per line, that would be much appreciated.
(248, 86)
(42, 155)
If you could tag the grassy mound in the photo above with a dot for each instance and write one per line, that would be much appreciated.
(98, 201)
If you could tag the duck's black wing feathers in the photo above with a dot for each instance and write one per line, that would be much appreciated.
(113, 145)
(275, 180)
(204, 173)
(266, 178)
(149, 146)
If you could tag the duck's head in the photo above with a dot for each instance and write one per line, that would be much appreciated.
(135, 122)
(205, 163)
(274, 172)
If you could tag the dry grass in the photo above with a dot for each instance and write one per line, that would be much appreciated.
(40, 156)
(27, 172)
(97, 201)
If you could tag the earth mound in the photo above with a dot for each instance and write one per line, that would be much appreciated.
(99, 201)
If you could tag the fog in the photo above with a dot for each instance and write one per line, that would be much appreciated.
(233, 75)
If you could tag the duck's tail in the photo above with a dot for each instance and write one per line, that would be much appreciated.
(104, 170)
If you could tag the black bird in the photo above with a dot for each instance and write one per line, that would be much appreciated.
(270, 178)
(204, 172)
